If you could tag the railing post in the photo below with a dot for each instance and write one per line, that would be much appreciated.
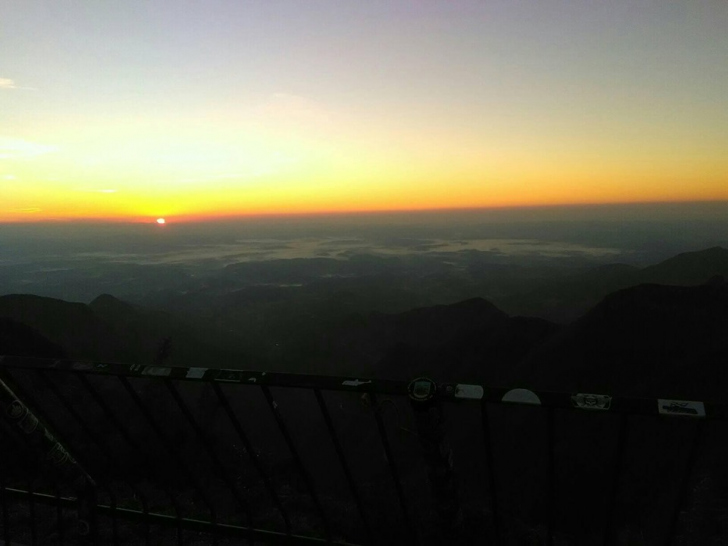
(55, 456)
(438, 455)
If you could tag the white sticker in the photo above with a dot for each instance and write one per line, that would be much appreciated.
(592, 401)
(157, 371)
(355, 383)
(522, 396)
(687, 408)
(471, 392)
(196, 373)
(16, 409)
(230, 376)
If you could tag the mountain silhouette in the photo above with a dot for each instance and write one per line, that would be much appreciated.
(648, 340)
(689, 268)
(18, 339)
(73, 326)
(642, 339)
(111, 330)
(566, 299)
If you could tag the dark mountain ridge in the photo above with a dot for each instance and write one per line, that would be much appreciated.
(564, 300)
(111, 330)
(638, 340)
(647, 340)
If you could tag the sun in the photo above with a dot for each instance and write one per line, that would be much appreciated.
(161, 221)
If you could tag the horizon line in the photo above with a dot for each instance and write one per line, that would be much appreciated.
(211, 218)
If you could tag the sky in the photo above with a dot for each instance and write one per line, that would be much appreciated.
(186, 109)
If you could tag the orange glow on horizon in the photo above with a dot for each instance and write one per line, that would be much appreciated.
(293, 213)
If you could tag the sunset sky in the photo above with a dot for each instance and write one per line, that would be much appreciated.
(182, 109)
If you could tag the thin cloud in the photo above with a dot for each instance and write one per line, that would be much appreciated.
(7, 83)
(95, 190)
(16, 148)
(28, 210)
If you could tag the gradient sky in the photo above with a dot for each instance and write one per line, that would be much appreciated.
(140, 109)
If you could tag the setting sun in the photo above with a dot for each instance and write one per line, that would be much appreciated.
(161, 221)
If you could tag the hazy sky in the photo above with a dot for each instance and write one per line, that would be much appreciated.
(139, 109)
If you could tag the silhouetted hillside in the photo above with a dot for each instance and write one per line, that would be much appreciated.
(638, 340)
(481, 353)
(469, 340)
(111, 330)
(21, 340)
(689, 268)
(643, 341)
(565, 299)
(73, 326)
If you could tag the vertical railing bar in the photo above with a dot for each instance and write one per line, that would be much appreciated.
(170, 449)
(614, 482)
(393, 469)
(685, 482)
(4, 497)
(180, 534)
(59, 516)
(165, 442)
(30, 487)
(344, 464)
(31, 403)
(225, 403)
(219, 467)
(148, 525)
(31, 508)
(29, 484)
(490, 462)
(106, 452)
(299, 463)
(550, 493)
(92, 515)
(129, 440)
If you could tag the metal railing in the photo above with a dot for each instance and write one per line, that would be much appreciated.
(104, 453)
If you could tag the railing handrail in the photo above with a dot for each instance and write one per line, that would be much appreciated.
(425, 397)
(593, 402)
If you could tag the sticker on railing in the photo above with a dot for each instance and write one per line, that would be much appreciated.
(355, 383)
(157, 371)
(196, 373)
(231, 376)
(422, 389)
(58, 455)
(681, 407)
(521, 396)
(26, 420)
(592, 401)
(469, 392)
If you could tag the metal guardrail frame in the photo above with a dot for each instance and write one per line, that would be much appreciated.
(427, 399)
